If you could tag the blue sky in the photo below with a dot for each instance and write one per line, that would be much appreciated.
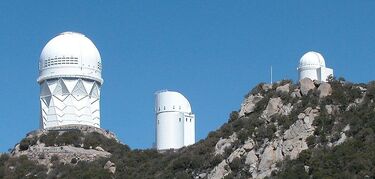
(213, 52)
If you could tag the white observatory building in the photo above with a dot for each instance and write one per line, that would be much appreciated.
(175, 122)
(313, 66)
(70, 80)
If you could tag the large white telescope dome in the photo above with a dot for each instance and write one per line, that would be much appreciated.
(70, 54)
(312, 60)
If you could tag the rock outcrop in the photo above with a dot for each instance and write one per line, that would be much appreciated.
(296, 93)
(284, 88)
(306, 85)
(332, 109)
(222, 144)
(262, 161)
(273, 107)
(110, 166)
(324, 90)
(249, 103)
(267, 87)
(220, 171)
(67, 154)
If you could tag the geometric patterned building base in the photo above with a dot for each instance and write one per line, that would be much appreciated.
(67, 101)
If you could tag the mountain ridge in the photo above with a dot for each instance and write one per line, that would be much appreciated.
(279, 132)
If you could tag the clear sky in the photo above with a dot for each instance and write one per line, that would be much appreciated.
(213, 52)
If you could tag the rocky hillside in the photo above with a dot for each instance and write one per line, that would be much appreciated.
(68, 144)
(283, 130)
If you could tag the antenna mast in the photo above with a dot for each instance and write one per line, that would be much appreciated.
(271, 75)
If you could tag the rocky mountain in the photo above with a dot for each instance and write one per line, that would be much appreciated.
(281, 130)
(68, 144)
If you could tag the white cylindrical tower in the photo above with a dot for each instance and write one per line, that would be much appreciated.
(70, 80)
(189, 129)
(175, 122)
(309, 65)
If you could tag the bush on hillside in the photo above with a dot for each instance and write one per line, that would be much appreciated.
(27, 142)
(49, 139)
(70, 138)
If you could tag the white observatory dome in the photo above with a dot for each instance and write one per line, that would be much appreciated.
(70, 54)
(171, 101)
(175, 122)
(311, 60)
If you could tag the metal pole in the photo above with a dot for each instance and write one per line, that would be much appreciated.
(271, 74)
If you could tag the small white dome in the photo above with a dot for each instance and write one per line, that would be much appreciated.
(312, 60)
(70, 54)
(171, 101)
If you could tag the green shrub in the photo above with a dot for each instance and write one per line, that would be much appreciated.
(49, 139)
(3, 159)
(236, 164)
(310, 141)
(182, 175)
(285, 121)
(243, 135)
(257, 89)
(261, 105)
(233, 116)
(70, 138)
(226, 130)
(24, 167)
(227, 151)
(54, 158)
(216, 159)
(92, 140)
(265, 132)
(41, 156)
(27, 142)
(230, 176)
(237, 125)
(74, 161)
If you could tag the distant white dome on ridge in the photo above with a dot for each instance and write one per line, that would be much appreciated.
(171, 101)
(70, 54)
(312, 60)
(175, 122)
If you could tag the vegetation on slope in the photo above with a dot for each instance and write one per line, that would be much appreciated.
(353, 158)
